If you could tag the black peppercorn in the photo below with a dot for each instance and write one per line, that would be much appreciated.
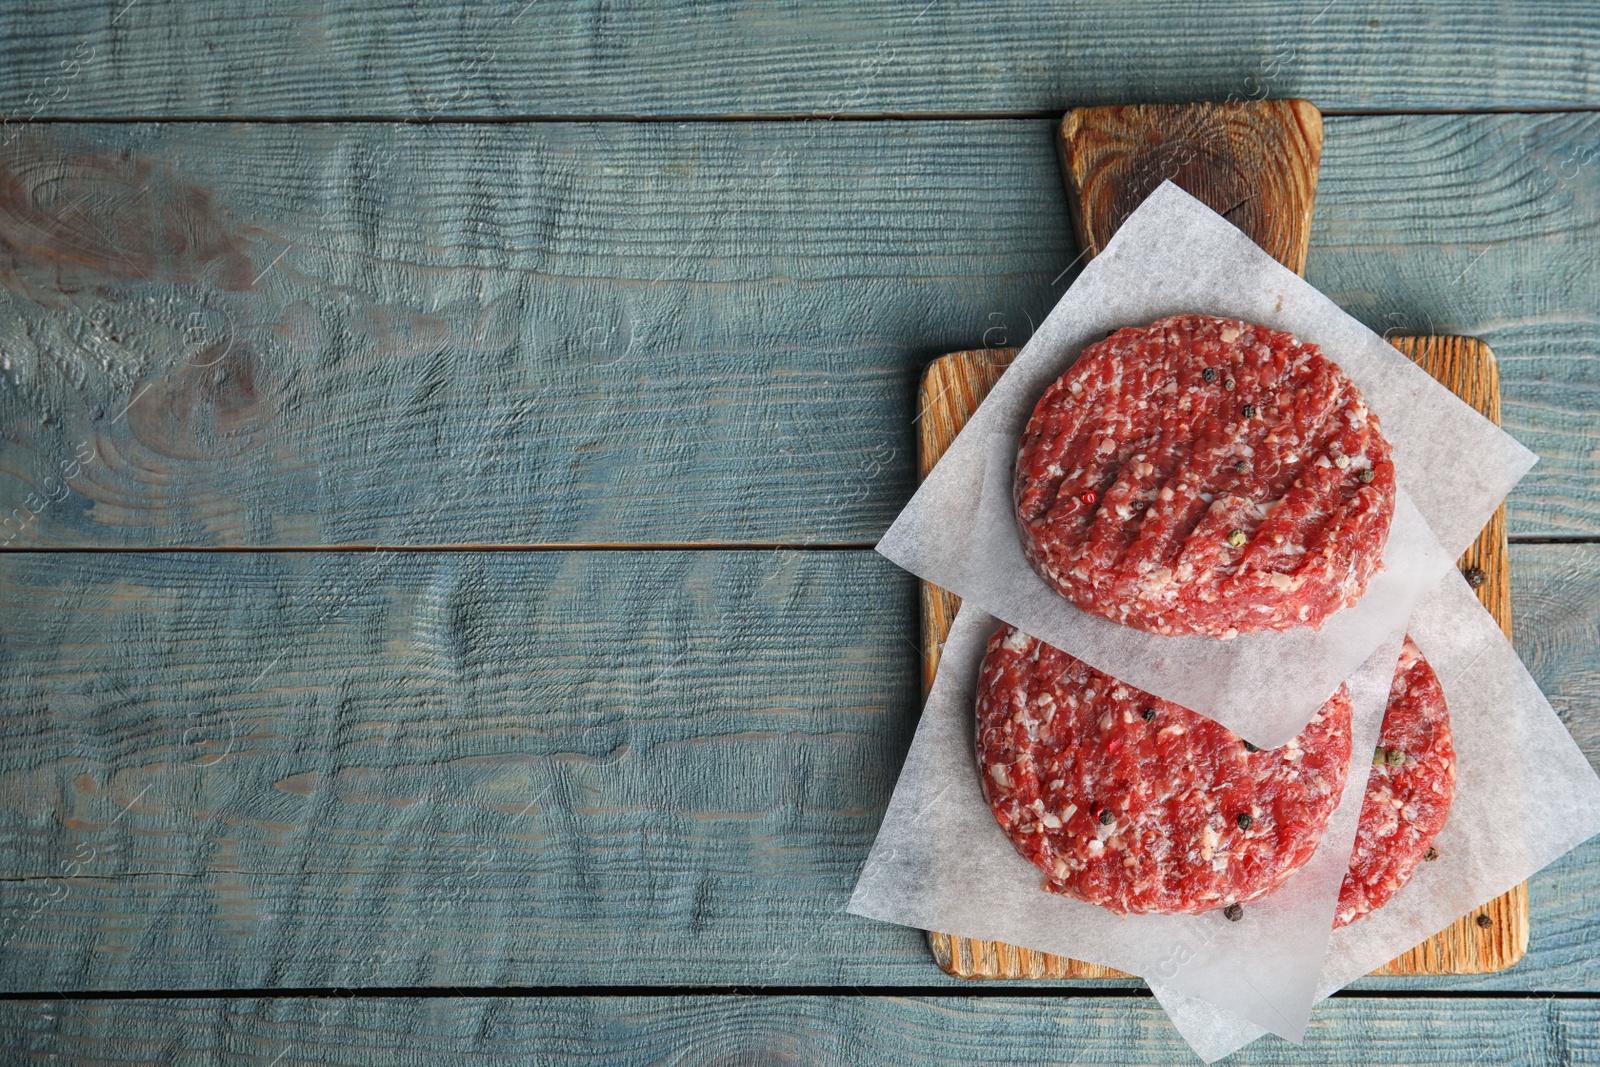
(1234, 912)
(1209, 374)
(1431, 855)
(1227, 383)
(1148, 714)
(1241, 465)
(1249, 411)
(1244, 820)
(1476, 577)
(1106, 817)
(1485, 922)
(1248, 747)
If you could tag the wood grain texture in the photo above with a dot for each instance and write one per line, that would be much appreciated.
(478, 308)
(1253, 162)
(970, 957)
(502, 58)
(1556, 613)
(816, 1031)
(388, 769)
(238, 770)
(1468, 367)
(951, 389)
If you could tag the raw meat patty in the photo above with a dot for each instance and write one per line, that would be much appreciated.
(1138, 804)
(1408, 795)
(1205, 476)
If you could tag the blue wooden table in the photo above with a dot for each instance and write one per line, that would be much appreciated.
(442, 450)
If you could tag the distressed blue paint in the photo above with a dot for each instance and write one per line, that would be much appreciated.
(555, 768)
(822, 1031)
(507, 58)
(465, 334)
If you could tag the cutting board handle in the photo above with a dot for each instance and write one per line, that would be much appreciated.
(1254, 162)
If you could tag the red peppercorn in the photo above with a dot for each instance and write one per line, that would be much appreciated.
(1088, 496)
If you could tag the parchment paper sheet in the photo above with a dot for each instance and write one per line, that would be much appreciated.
(1176, 255)
(941, 862)
(1525, 796)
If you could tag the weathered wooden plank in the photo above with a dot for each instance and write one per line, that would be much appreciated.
(288, 759)
(1555, 599)
(757, 1030)
(471, 336)
(463, 334)
(503, 58)
(335, 769)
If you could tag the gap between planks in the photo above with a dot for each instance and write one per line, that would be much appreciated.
(576, 546)
(402, 119)
(986, 991)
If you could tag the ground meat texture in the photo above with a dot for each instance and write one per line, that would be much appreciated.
(1205, 476)
(1138, 804)
(1408, 795)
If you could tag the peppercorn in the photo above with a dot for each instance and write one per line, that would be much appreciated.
(1380, 757)
(1397, 757)
(1148, 713)
(1430, 855)
(1485, 922)
(1088, 496)
(1106, 817)
(1241, 465)
(1248, 747)
(1233, 912)
(1476, 577)
(1237, 538)
(1209, 374)
(1244, 820)
(1249, 411)
(1366, 475)
(1227, 383)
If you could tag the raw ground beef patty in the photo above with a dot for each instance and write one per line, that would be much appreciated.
(1138, 804)
(1204, 476)
(1409, 792)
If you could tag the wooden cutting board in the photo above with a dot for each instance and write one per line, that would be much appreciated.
(1255, 163)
